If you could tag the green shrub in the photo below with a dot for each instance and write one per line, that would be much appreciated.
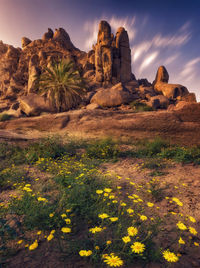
(4, 117)
(140, 107)
(47, 148)
(103, 149)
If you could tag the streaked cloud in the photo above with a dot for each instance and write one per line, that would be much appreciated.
(190, 69)
(171, 59)
(148, 60)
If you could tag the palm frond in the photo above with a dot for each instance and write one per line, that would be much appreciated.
(62, 84)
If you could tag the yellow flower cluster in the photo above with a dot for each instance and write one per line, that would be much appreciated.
(177, 201)
(85, 253)
(95, 229)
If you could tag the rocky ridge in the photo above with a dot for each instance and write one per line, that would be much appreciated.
(107, 68)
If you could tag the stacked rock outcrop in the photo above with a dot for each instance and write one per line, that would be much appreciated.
(107, 68)
(111, 55)
(169, 90)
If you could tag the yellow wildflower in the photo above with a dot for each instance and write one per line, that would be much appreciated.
(19, 242)
(99, 191)
(34, 245)
(192, 219)
(113, 219)
(132, 231)
(68, 210)
(42, 199)
(130, 210)
(103, 216)
(113, 260)
(181, 226)
(107, 190)
(143, 217)
(68, 221)
(193, 230)
(138, 247)
(39, 232)
(50, 237)
(126, 239)
(196, 244)
(149, 204)
(66, 230)
(108, 242)
(170, 256)
(51, 215)
(181, 241)
(95, 229)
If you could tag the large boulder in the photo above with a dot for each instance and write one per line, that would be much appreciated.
(188, 112)
(114, 96)
(163, 101)
(190, 97)
(34, 104)
(171, 91)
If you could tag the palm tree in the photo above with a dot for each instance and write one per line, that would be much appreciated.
(62, 85)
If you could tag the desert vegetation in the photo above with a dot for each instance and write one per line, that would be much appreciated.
(62, 85)
(64, 194)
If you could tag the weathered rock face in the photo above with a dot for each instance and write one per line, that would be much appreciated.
(162, 75)
(112, 55)
(34, 104)
(171, 91)
(114, 96)
(162, 100)
(18, 67)
(122, 43)
(25, 42)
(9, 59)
(48, 35)
(190, 97)
(63, 38)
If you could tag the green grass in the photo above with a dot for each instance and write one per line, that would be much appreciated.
(140, 107)
(5, 117)
(72, 191)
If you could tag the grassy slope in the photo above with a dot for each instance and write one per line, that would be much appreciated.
(48, 186)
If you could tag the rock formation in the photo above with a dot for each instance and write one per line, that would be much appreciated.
(113, 96)
(112, 55)
(171, 91)
(107, 68)
(48, 35)
(25, 42)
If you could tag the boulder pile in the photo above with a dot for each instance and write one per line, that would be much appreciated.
(107, 68)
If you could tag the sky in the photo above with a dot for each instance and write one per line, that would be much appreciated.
(160, 32)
